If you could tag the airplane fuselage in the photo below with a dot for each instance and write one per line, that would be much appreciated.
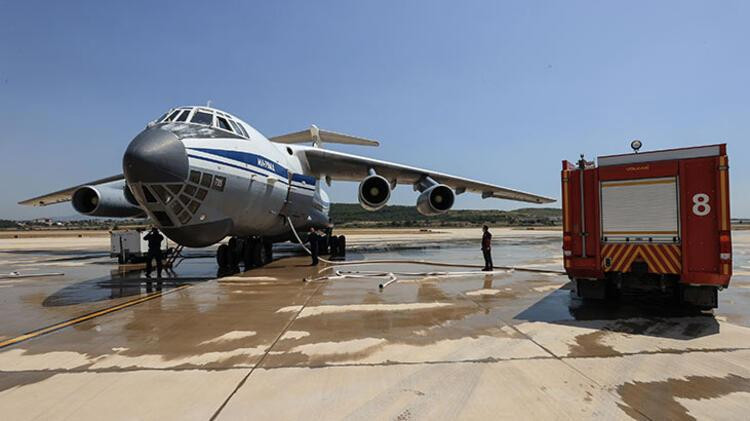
(200, 184)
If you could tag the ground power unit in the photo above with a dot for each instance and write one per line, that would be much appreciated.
(649, 222)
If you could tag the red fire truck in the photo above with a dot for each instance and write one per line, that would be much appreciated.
(649, 221)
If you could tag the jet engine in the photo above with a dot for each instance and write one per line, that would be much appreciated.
(435, 200)
(374, 192)
(113, 200)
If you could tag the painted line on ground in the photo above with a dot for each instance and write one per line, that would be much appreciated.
(85, 317)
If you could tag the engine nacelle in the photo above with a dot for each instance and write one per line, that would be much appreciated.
(374, 192)
(114, 200)
(435, 200)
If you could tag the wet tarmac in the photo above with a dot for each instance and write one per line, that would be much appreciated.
(264, 344)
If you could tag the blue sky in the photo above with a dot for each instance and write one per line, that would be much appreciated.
(496, 91)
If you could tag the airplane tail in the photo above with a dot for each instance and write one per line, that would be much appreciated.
(318, 136)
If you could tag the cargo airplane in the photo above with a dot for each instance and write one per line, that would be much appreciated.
(202, 174)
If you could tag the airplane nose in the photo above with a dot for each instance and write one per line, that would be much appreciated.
(155, 156)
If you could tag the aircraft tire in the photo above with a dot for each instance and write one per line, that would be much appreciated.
(342, 246)
(269, 252)
(222, 256)
(258, 254)
(247, 254)
(234, 252)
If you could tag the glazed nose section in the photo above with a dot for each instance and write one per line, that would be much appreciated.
(155, 156)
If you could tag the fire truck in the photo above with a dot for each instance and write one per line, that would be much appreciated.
(649, 222)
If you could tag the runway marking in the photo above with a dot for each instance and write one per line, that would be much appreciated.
(85, 317)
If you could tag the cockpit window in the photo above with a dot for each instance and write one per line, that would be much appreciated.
(242, 130)
(222, 123)
(183, 116)
(161, 118)
(236, 127)
(173, 115)
(202, 118)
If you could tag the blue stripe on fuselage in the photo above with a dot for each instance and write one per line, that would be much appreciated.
(255, 161)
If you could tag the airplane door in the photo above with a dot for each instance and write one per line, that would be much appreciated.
(299, 199)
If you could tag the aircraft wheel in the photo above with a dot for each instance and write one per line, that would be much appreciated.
(222, 256)
(258, 254)
(342, 246)
(247, 254)
(269, 251)
(235, 252)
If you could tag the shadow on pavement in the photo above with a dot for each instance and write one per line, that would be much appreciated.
(655, 316)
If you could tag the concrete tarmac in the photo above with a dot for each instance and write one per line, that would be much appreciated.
(263, 344)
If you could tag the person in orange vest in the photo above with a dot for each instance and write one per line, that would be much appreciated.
(487, 248)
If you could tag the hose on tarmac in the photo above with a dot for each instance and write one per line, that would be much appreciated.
(339, 274)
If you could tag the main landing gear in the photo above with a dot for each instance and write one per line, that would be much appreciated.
(249, 251)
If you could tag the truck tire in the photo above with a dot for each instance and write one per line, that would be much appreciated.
(699, 297)
(589, 289)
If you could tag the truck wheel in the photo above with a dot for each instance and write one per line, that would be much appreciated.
(222, 258)
(700, 297)
(589, 289)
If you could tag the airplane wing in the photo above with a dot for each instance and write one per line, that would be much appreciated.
(65, 194)
(342, 166)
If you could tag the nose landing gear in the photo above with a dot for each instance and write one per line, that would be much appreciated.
(250, 251)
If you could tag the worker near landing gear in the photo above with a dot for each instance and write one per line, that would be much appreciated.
(154, 239)
(487, 248)
(314, 245)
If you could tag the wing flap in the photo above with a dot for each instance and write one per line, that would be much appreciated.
(66, 194)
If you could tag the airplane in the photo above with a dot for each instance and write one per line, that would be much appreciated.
(202, 174)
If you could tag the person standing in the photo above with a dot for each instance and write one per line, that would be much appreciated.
(487, 248)
(314, 240)
(154, 239)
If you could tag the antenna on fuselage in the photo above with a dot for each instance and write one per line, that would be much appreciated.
(208, 103)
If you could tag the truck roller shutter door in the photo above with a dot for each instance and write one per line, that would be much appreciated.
(643, 210)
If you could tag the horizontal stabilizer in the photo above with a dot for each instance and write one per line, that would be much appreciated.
(318, 136)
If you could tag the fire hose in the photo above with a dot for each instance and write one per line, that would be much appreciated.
(391, 276)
